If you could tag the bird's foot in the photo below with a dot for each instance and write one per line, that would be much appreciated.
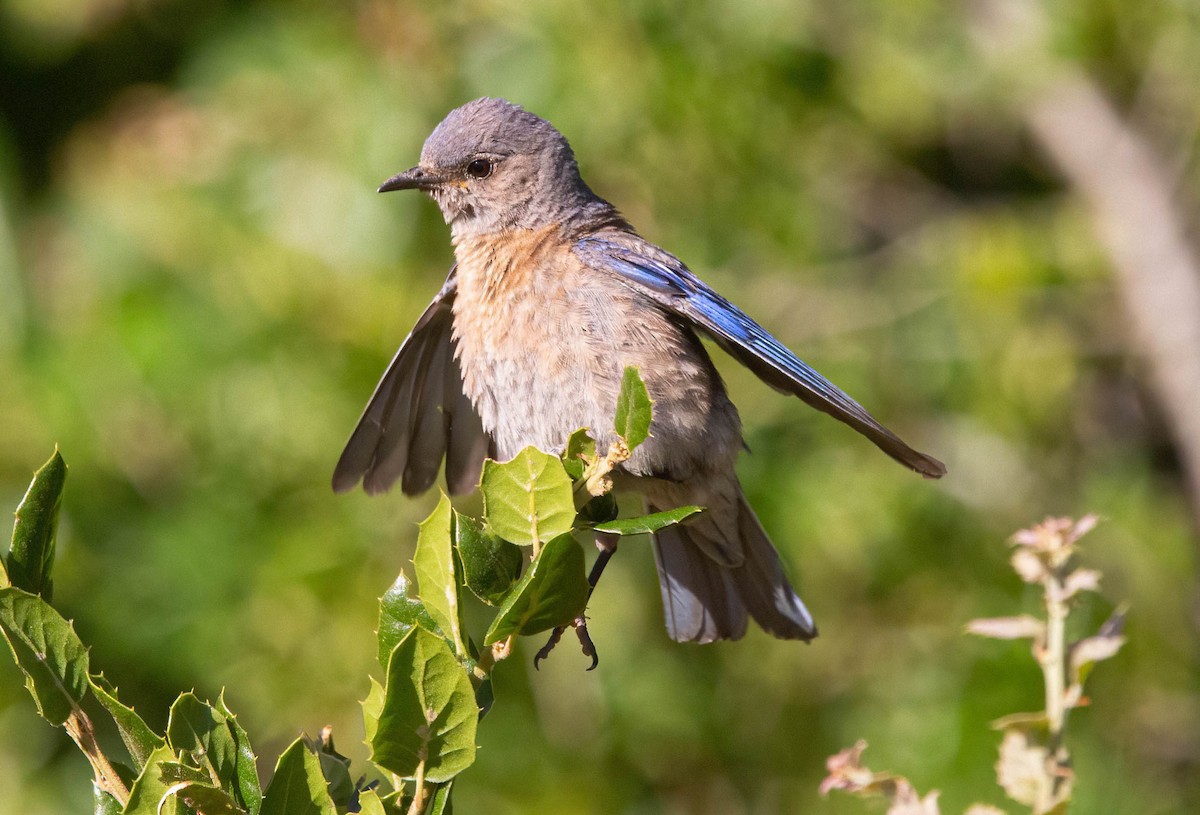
(585, 642)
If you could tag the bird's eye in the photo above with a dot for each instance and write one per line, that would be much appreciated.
(479, 168)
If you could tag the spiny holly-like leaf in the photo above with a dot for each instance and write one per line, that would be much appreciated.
(103, 803)
(527, 500)
(399, 611)
(634, 409)
(150, 788)
(139, 739)
(429, 713)
(580, 446)
(437, 577)
(372, 706)
(1008, 628)
(335, 767)
(48, 651)
(201, 734)
(553, 592)
(206, 799)
(648, 523)
(31, 557)
(490, 565)
(247, 789)
(298, 787)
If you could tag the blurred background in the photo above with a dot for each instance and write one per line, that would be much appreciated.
(978, 218)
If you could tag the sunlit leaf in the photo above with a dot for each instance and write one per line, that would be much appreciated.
(207, 799)
(48, 651)
(31, 558)
(371, 707)
(247, 789)
(429, 713)
(634, 408)
(528, 500)
(369, 803)
(200, 733)
(439, 801)
(553, 592)
(150, 789)
(335, 767)
(580, 446)
(103, 803)
(437, 577)
(399, 611)
(648, 523)
(490, 564)
(139, 739)
(298, 787)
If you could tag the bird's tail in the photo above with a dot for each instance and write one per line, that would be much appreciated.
(720, 567)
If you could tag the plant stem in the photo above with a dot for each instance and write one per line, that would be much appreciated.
(420, 796)
(79, 726)
(1054, 662)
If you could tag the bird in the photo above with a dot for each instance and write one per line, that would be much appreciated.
(552, 295)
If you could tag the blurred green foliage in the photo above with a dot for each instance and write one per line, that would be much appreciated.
(198, 289)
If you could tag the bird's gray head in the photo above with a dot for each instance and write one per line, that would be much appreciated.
(491, 166)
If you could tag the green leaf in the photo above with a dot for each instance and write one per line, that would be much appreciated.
(176, 772)
(372, 706)
(600, 509)
(247, 789)
(439, 802)
(31, 557)
(429, 713)
(103, 803)
(580, 446)
(139, 739)
(369, 803)
(149, 788)
(48, 651)
(201, 734)
(527, 500)
(490, 565)
(208, 799)
(298, 787)
(485, 696)
(399, 612)
(634, 408)
(335, 767)
(437, 578)
(648, 523)
(553, 592)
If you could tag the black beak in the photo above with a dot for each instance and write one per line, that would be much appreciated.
(414, 179)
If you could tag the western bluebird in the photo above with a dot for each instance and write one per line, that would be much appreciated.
(552, 296)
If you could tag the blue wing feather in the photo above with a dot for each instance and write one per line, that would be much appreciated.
(671, 285)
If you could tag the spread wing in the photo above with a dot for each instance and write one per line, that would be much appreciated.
(666, 281)
(418, 415)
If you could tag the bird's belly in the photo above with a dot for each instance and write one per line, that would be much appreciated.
(542, 354)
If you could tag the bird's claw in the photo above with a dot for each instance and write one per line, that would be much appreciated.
(585, 643)
(545, 650)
